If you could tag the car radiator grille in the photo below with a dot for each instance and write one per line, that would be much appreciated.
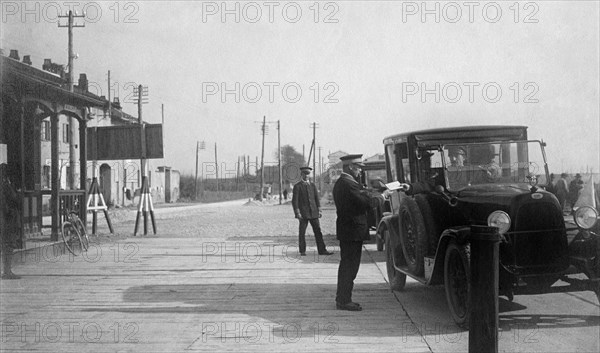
(538, 237)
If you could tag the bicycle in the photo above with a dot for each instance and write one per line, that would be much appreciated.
(74, 234)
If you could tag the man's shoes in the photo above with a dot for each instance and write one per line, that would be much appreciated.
(326, 253)
(348, 306)
(302, 254)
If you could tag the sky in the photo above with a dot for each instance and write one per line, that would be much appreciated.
(360, 70)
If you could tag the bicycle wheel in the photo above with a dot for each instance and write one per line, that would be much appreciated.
(71, 238)
(85, 240)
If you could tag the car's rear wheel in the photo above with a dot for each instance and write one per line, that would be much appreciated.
(457, 282)
(413, 236)
(397, 279)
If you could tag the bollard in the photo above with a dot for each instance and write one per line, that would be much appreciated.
(483, 319)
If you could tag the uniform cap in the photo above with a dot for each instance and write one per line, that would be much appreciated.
(352, 159)
(305, 170)
(457, 150)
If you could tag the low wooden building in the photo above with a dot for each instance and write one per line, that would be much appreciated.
(38, 112)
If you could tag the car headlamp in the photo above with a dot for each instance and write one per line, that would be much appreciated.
(586, 217)
(500, 220)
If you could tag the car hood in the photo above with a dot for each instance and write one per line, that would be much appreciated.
(477, 201)
(498, 192)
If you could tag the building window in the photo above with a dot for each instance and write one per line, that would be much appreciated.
(46, 177)
(68, 177)
(46, 133)
(66, 133)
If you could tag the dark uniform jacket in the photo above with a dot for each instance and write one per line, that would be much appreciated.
(352, 202)
(11, 215)
(305, 200)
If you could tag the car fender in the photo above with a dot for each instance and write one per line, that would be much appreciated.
(460, 236)
(390, 222)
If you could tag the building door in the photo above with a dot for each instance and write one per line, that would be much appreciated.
(167, 185)
(105, 182)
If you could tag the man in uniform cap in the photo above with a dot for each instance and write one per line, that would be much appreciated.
(352, 202)
(307, 208)
(457, 156)
(10, 223)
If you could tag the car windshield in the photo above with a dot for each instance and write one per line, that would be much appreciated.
(498, 163)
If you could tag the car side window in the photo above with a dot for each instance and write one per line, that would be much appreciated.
(390, 155)
(402, 150)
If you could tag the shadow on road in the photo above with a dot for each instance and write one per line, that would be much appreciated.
(515, 322)
(301, 305)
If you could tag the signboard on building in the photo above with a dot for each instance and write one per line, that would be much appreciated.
(125, 142)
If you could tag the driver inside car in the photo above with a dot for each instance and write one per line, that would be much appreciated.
(489, 169)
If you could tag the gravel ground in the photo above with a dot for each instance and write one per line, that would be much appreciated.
(228, 221)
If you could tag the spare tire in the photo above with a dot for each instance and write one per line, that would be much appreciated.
(432, 227)
(413, 236)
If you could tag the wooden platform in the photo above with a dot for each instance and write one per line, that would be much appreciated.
(208, 295)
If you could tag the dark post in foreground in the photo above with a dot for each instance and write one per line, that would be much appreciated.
(483, 320)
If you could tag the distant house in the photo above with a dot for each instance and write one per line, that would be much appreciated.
(379, 157)
(334, 169)
(334, 158)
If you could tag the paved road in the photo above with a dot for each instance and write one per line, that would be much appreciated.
(227, 277)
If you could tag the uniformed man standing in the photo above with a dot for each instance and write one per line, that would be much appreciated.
(307, 208)
(10, 223)
(352, 202)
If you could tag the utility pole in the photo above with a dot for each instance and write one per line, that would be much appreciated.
(237, 175)
(279, 157)
(109, 120)
(142, 94)
(312, 147)
(162, 120)
(244, 170)
(262, 159)
(72, 131)
(145, 197)
(320, 169)
(109, 99)
(217, 167)
(196, 176)
(143, 139)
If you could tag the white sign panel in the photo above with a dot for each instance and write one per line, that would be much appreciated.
(3, 157)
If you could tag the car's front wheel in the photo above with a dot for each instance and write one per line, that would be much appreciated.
(457, 281)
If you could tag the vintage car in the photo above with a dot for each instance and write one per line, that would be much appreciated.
(497, 181)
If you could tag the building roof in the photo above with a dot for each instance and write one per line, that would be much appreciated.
(48, 85)
(375, 158)
(336, 154)
(44, 84)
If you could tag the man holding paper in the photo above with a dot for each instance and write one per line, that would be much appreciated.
(352, 202)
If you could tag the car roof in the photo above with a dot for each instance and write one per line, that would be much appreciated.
(462, 134)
